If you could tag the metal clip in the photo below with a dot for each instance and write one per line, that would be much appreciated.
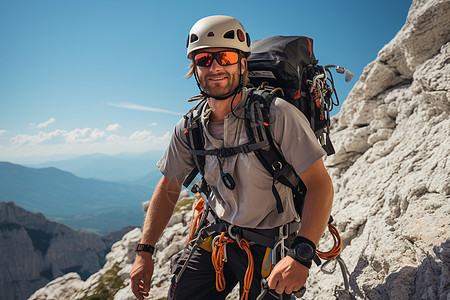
(283, 235)
(225, 256)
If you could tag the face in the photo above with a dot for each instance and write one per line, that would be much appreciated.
(217, 80)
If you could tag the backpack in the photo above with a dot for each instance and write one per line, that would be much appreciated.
(285, 67)
(288, 63)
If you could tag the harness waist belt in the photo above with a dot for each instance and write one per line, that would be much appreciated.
(264, 237)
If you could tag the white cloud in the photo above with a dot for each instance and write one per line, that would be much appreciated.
(3, 131)
(113, 127)
(46, 123)
(41, 137)
(79, 141)
(84, 136)
(141, 135)
(144, 108)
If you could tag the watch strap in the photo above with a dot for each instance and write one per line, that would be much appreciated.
(300, 240)
(145, 248)
(291, 253)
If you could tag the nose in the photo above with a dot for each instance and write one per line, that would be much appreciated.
(214, 66)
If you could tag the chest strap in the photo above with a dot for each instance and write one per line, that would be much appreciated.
(230, 151)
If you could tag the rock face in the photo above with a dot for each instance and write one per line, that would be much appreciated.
(391, 171)
(35, 250)
(391, 174)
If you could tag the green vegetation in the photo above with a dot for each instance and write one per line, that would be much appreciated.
(185, 203)
(108, 285)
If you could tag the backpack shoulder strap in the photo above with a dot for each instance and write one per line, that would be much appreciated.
(194, 135)
(257, 113)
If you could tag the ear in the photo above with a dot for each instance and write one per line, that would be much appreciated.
(243, 65)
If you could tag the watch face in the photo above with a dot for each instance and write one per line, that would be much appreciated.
(304, 252)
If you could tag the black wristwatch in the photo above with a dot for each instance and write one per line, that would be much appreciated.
(145, 248)
(303, 251)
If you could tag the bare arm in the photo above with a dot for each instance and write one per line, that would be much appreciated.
(318, 202)
(288, 275)
(158, 215)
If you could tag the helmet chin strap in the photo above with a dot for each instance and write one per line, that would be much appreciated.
(233, 93)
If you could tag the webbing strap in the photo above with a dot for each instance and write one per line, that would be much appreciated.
(194, 137)
(230, 151)
(271, 158)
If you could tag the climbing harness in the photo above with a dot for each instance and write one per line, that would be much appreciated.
(222, 233)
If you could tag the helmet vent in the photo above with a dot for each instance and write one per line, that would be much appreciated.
(241, 36)
(248, 39)
(210, 34)
(194, 38)
(229, 35)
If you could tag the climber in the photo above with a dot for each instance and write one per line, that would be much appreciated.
(245, 220)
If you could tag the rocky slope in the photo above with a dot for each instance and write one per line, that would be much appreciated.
(391, 175)
(35, 250)
(391, 171)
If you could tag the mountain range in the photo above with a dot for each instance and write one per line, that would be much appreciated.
(131, 168)
(85, 204)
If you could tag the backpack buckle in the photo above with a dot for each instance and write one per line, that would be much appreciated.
(245, 148)
(279, 167)
(224, 152)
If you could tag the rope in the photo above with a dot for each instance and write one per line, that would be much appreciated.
(219, 259)
(336, 249)
(199, 206)
(243, 244)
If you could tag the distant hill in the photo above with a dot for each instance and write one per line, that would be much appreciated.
(123, 168)
(85, 204)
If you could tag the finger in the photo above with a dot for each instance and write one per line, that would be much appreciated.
(136, 288)
(271, 282)
(142, 291)
(280, 288)
(147, 283)
(289, 289)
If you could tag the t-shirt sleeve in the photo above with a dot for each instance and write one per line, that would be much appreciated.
(177, 161)
(291, 131)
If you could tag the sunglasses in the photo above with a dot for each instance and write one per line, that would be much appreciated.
(223, 58)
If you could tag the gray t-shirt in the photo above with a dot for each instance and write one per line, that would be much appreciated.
(252, 203)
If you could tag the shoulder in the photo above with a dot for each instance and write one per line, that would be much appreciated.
(282, 109)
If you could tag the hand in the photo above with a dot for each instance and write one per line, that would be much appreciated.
(287, 276)
(141, 275)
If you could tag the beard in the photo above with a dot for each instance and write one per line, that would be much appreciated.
(219, 90)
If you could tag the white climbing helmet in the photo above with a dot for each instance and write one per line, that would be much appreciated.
(220, 32)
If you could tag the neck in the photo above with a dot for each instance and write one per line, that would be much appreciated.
(220, 108)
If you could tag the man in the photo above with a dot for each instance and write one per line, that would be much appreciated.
(241, 189)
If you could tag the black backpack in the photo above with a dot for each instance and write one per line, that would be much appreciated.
(285, 67)
(288, 63)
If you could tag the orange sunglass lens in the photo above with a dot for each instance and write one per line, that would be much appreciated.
(226, 58)
(203, 59)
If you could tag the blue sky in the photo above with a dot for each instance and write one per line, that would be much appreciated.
(82, 77)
